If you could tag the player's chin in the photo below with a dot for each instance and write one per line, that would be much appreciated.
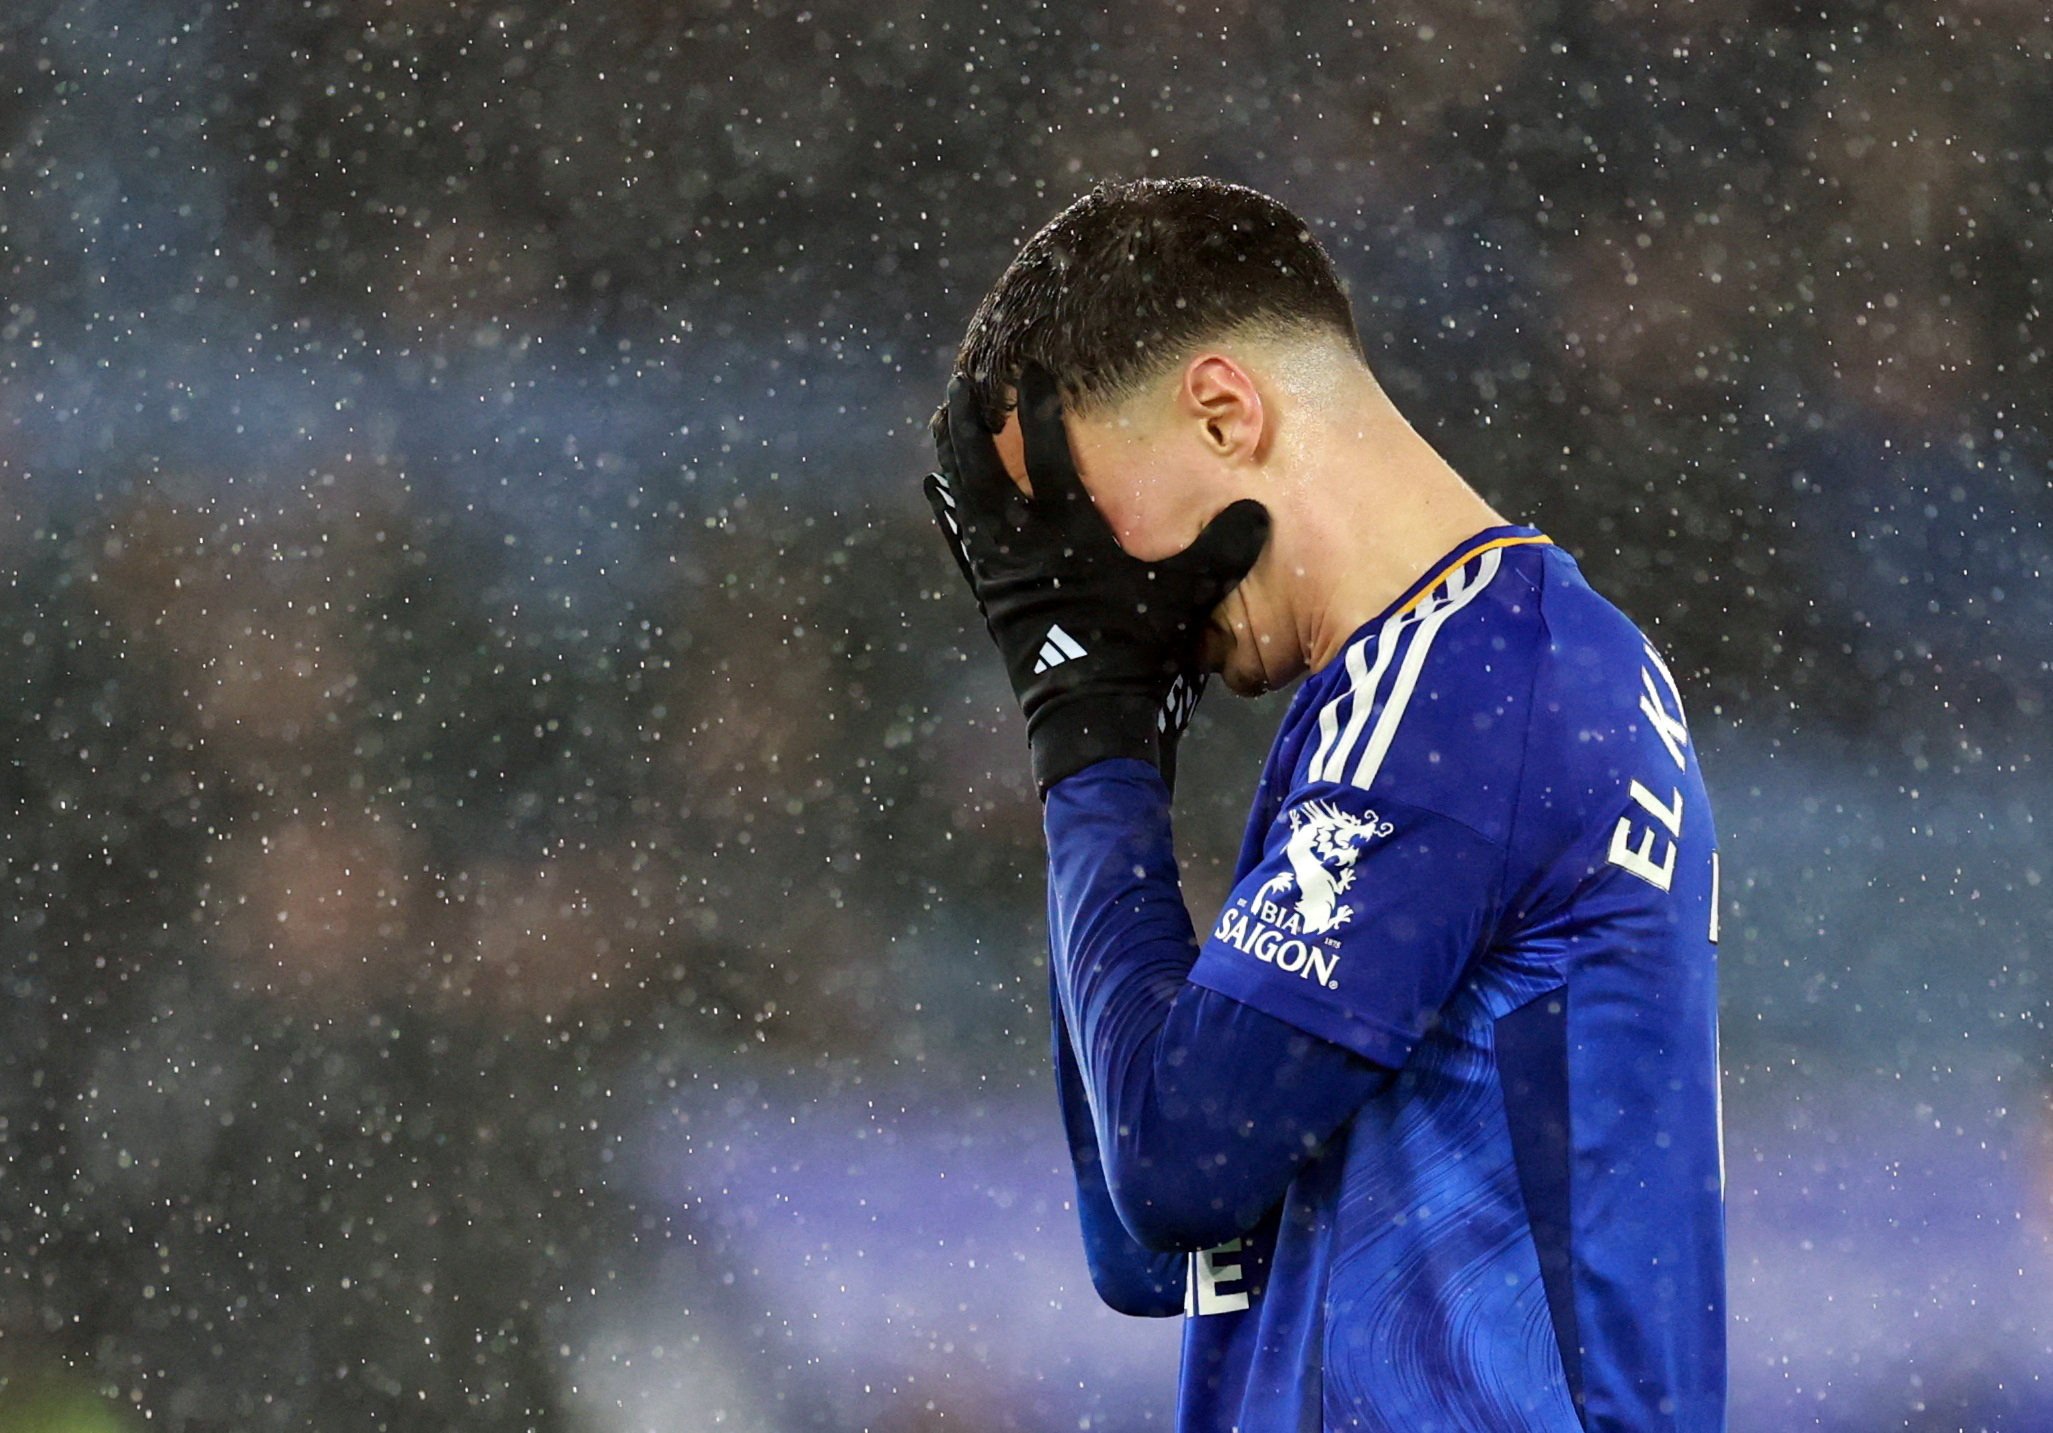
(1242, 674)
(1226, 653)
(1242, 684)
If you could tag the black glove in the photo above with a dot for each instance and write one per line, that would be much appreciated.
(1102, 648)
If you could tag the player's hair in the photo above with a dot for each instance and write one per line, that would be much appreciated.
(1133, 275)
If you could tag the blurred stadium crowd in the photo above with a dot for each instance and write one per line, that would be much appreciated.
(491, 736)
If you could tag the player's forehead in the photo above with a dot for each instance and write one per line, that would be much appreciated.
(1086, 446)
(1012, 447)
(1092, 436)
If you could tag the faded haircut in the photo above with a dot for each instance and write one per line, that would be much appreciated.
(1133, 275)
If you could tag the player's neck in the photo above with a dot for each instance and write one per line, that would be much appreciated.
(1392, 509)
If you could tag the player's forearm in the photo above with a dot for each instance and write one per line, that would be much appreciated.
(1121, 939)
(1205, 1108)
(1129, 1278)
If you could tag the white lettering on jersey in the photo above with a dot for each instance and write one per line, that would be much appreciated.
(1210, 1271)
(1638, 858)
(1714, 898)
(1248, 931)
(1638, 846)
(1671, 729)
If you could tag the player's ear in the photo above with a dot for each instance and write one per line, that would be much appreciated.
(1222, 400)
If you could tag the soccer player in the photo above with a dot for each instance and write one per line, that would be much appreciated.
(1422, 1132)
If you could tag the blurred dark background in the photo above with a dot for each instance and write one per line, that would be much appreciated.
(522, 899)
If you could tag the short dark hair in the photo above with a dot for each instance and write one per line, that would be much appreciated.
(1133, 274)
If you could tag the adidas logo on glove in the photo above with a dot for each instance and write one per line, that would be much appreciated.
(1056, 648)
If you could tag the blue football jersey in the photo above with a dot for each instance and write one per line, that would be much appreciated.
(1481, 855)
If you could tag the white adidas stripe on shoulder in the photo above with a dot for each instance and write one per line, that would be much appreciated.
(1415, 660)
(1363, 683)
(1337, 747)
(1329, 760)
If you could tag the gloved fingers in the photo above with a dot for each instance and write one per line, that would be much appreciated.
(985, 495)
(1051, 468)
(941, 498)
(1225, 551)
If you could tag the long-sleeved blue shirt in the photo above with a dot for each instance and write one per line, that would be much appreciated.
(1433, 1106)
(1206, 1107)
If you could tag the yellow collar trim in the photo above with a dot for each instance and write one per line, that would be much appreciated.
(1478, 550)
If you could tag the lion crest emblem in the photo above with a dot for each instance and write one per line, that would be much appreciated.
(1325, 842)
